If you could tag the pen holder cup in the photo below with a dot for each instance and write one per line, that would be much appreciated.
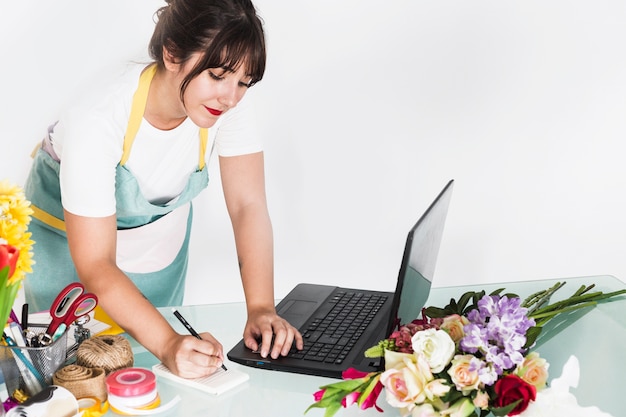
(30, 369)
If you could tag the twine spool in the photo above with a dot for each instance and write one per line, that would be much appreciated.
(109, 352)
(82, 381)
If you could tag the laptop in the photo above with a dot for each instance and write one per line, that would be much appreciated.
(318, 311)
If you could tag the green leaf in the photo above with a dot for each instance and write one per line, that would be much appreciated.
(465, 298)
(452, 396)
(331, 396)
(4, 276)
(7, 295)
(483, 413)
(531, 336)
(453, 305)
(375, 351)
(366, 393)
(331, 409)
(478, 296)
(503, 411)
(510, 295)
(349, 385)
(435, 312)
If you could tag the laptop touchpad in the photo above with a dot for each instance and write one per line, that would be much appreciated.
(297, 311)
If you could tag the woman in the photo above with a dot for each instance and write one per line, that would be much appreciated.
(113, 182)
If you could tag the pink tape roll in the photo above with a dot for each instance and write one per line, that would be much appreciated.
(131, 382)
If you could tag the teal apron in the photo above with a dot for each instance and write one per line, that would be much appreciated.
(54, 268)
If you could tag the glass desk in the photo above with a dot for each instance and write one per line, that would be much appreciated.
(597, 336)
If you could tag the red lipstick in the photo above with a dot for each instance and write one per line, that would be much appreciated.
(214, 112)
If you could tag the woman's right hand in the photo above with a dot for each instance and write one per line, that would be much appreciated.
(92, 242)
(190, 357)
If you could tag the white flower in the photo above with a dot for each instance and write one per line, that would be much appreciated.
(437, 347)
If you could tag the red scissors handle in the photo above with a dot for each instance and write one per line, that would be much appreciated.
(70, 304)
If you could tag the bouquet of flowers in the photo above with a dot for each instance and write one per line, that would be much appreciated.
(471, 358)
(16, 256)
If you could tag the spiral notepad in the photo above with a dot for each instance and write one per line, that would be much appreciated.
(215, 384)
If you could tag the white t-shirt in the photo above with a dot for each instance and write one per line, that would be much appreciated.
(88, 140)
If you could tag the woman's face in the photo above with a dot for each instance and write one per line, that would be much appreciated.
(213, 92)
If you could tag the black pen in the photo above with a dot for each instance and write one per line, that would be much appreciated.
(24, 317)
(189, 328)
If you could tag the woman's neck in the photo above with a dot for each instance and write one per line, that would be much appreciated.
(164, 109)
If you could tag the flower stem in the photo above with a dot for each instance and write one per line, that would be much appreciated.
(575, 299)
(539, 298)
(548, 315)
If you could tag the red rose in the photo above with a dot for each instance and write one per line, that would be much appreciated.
(511, 388)
(8, 257)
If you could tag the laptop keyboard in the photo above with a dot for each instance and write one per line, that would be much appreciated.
(330, 338)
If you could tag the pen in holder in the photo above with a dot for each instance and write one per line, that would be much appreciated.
(29, 368)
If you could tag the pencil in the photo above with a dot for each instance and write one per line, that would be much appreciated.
(189, 328)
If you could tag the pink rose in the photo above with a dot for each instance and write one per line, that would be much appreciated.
(534, 370)
(464, 378)
(454, 326)
(405, 379)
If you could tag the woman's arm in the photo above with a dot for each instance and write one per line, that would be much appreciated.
(243, 182)
(92, 243)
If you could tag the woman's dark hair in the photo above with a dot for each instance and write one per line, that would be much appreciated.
(228, 33)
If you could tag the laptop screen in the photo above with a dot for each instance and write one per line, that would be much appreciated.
(419, 260)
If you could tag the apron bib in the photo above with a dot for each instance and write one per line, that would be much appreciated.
(153, 239)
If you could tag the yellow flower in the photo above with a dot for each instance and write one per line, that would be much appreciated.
(15, 212)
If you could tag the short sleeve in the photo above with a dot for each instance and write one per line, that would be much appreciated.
(88, 139)
(237, 132)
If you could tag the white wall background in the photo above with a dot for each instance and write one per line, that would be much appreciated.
(367, 109)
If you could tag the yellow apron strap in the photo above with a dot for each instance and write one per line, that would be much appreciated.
(47, 218)
(204, 137)
(136, 115)
(137, 110)
(35, 149)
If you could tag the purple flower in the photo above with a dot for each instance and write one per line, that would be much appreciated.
(497, 329)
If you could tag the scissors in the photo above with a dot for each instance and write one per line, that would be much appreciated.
(71, 303)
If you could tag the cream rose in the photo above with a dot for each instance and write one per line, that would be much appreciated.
(435, 389)
(481, 400)
(437, 347)
(405, 379)
(534, 370)
(454, 326)
(463, 378)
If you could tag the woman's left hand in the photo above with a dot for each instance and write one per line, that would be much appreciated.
(275, 333)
